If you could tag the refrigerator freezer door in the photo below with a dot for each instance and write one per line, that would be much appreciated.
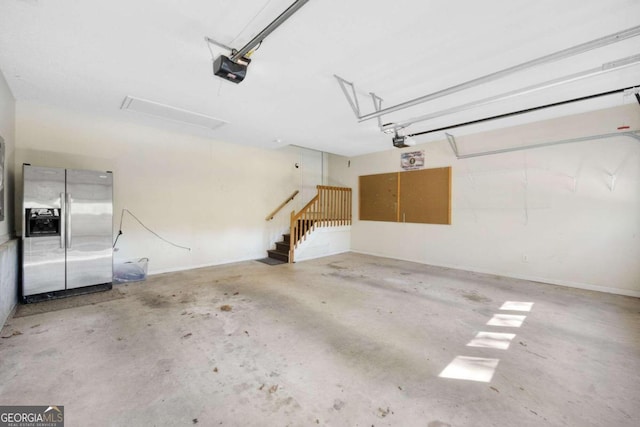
(42, 187)
(43, 256)
(89, 228)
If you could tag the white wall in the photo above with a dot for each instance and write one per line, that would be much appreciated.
(207, 195)
(7, 132)
(8, 249)
(546, 214)
(324, 241)
(312, 174)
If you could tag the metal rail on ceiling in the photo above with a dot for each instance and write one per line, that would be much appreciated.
(556, 56)
(454, 146)
(268, 29)
(255, 41)
(520, 112)
(605, 68)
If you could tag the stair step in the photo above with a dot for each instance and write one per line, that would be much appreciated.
(279, 255)
(283, 247)
(287, 237)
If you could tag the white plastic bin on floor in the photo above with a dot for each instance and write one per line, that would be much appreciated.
(130, 271)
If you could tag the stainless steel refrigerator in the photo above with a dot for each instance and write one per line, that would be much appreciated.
(67, 232)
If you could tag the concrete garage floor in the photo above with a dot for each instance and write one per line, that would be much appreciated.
(349, 340)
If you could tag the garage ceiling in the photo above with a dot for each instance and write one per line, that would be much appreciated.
(90, 55)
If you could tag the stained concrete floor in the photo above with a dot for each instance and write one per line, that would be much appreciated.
(349, 340)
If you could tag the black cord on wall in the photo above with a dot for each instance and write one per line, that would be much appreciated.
(147, 228)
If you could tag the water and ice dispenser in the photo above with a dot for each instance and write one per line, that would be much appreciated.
(41, 222)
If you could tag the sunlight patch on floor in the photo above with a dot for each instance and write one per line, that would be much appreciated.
(517, 306)
(470, 368)
(497, 340)
(480, 368)
(508, 320)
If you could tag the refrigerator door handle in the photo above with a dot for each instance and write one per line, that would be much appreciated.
(63, 213)
(68, 214)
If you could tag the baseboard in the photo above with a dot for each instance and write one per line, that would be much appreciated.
(194, 267)
(565, 283)
(322, 256)
(568, 284)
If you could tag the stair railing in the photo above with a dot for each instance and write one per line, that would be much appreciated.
(282, 205)
(331, 207)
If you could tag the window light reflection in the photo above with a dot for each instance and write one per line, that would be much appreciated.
(495, 340)
(509, 320)
(517, 306)
(470, 368)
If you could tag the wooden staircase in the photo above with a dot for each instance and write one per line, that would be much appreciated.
(283, 248)
(331, 207)
(281, 252)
